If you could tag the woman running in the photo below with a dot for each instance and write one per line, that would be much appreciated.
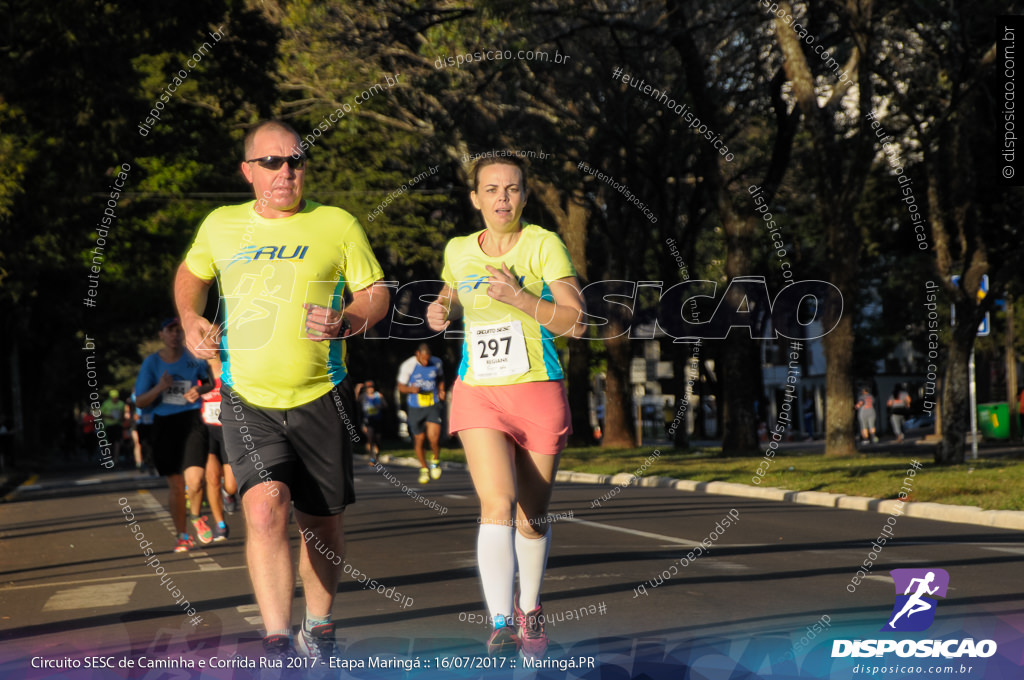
(514, 286)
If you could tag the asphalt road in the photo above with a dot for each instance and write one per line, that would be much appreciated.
(627, 586)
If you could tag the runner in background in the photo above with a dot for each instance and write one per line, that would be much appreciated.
(216, 462)
(421, 376)
(372, 405)
(170, 382)
(112, 411)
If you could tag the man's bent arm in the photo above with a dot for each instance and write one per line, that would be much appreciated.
(368, 307)
(190, 294)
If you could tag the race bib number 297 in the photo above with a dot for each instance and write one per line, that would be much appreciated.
(499, 350)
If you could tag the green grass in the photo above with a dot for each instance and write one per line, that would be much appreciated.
(991, 484)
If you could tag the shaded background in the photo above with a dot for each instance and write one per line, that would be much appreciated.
(78, 78)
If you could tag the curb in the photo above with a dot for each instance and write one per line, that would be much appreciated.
(961, 514)
(10, 482)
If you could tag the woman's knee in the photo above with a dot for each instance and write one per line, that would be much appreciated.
(532, 528)
(497, 510)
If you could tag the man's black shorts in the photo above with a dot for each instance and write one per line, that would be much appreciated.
(179, 441)
(217, 443)
(308, 448)
(420, 416)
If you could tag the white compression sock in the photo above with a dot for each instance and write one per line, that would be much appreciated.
(496, 557)
(532, 554)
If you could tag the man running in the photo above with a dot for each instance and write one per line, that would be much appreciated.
(421, 376)
(284, 266)
(372, 403)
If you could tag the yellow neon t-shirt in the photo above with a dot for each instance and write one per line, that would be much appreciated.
(493, 329)
(267, 269)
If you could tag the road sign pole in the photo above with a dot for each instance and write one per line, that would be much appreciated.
(974, 409)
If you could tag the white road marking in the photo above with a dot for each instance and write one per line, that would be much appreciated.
(4, 589)
(635, 532)
(90, 597)
(1012, 551)
(455, 495)
(254, 620)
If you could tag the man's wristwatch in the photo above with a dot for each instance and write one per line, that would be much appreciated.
(346, 326)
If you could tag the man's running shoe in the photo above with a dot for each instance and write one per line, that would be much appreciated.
(203, 532)
(184, 545)
(424, 476)
(277, 658)
(219, 533)
(318, 644)
(230, 502)
(503, 641)
(435, 469)
(532, 639)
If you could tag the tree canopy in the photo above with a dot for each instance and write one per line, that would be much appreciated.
(646, 125)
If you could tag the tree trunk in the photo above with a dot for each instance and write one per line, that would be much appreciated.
(955, 397)
(682, 359)
(740, 360)
(840, 429)
(741, 387)
(842, 183)
(619, 426)
(578, 374)
(572, 227)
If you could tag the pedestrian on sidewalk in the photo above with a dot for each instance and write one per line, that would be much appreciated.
(866, 415)
(899, 408)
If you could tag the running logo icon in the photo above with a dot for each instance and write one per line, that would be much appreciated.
(914, 609)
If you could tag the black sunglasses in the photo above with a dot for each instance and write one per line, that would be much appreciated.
(275, 162)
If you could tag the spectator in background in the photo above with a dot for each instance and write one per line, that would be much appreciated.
(809, 416)
(866, 415)
(899, 408)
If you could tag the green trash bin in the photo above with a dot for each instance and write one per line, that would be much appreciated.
(994, 420)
